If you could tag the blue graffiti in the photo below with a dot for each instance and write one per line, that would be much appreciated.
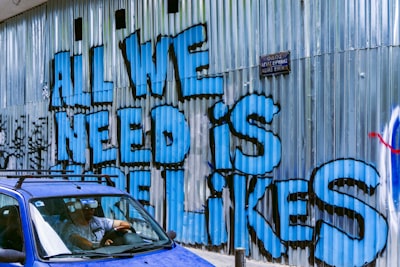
(293, 205)
(189, 226)
(294, 198)
(240, 218)
(140, 183)
(395, 159)
(71, 137)
(149, 70)
(190, 61)
(243, 174)
(98, 138)
(131, 138)
(217, 224)
(68, 92)
(102, 92)
(171, 137)
(143, 68)
(263, 230)
(245, 119)
(371, 236)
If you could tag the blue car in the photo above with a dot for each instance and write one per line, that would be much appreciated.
(62, 220)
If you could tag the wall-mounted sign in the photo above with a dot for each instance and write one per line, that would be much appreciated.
(274, 64)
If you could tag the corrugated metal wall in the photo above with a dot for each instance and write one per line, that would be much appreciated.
(298, 168)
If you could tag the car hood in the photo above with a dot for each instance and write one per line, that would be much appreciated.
(175, 257)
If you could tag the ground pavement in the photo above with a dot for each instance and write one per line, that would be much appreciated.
(223, 260)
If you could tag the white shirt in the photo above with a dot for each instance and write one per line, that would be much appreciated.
(94, 231)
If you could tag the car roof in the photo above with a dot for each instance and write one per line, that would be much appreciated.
(47, 187)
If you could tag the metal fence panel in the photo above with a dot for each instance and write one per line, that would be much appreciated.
(297, 168)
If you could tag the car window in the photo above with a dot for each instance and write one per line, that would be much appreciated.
(73, 226)
(10, 224)
(122, 209)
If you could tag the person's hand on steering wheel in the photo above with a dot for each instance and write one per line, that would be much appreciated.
(108, 242)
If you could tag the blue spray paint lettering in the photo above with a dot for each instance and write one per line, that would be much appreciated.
(262, 229)
(219, 137)
(99, 137)
(332, 239)
(102, 91)
(143, 67)
(71, 137)
(140, 183)
(131, 137)
(171, 136)
(65, 91)
(240, 230)
(190, 61)
(245, 119)
(395, 159)
(293, 203)
(189, 226)
(248, 120)
(149, 70)
(217, 227)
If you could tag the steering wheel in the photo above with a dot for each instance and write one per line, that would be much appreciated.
(121, 237)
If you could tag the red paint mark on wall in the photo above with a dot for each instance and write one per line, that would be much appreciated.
(379, 136)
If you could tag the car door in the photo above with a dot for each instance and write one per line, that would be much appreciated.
(12, 249)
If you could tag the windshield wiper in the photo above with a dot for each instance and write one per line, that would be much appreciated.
(90, 254)
(124, 251)
(149, 246)
(61, 255)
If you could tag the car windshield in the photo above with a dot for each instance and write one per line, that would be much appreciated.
(94, 225)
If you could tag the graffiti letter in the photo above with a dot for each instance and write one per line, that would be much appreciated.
(62, 79)
(171, 138)
(220, 138)
(332, 239)
(240, 232)
(246, 116)
(120, 181)
(102, 91)
(140, 182)
(71, 142)
(263, 230)
(65, 91)
(131, 137)
(190, 225)
(80, 98)
(216, 223)
(142, 66)
(291, 208)
(190, 60)
(98, 138)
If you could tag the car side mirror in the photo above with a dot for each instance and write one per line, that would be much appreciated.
(171, 234)
(11, 255)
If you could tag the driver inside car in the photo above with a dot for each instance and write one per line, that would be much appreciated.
(86, 230)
